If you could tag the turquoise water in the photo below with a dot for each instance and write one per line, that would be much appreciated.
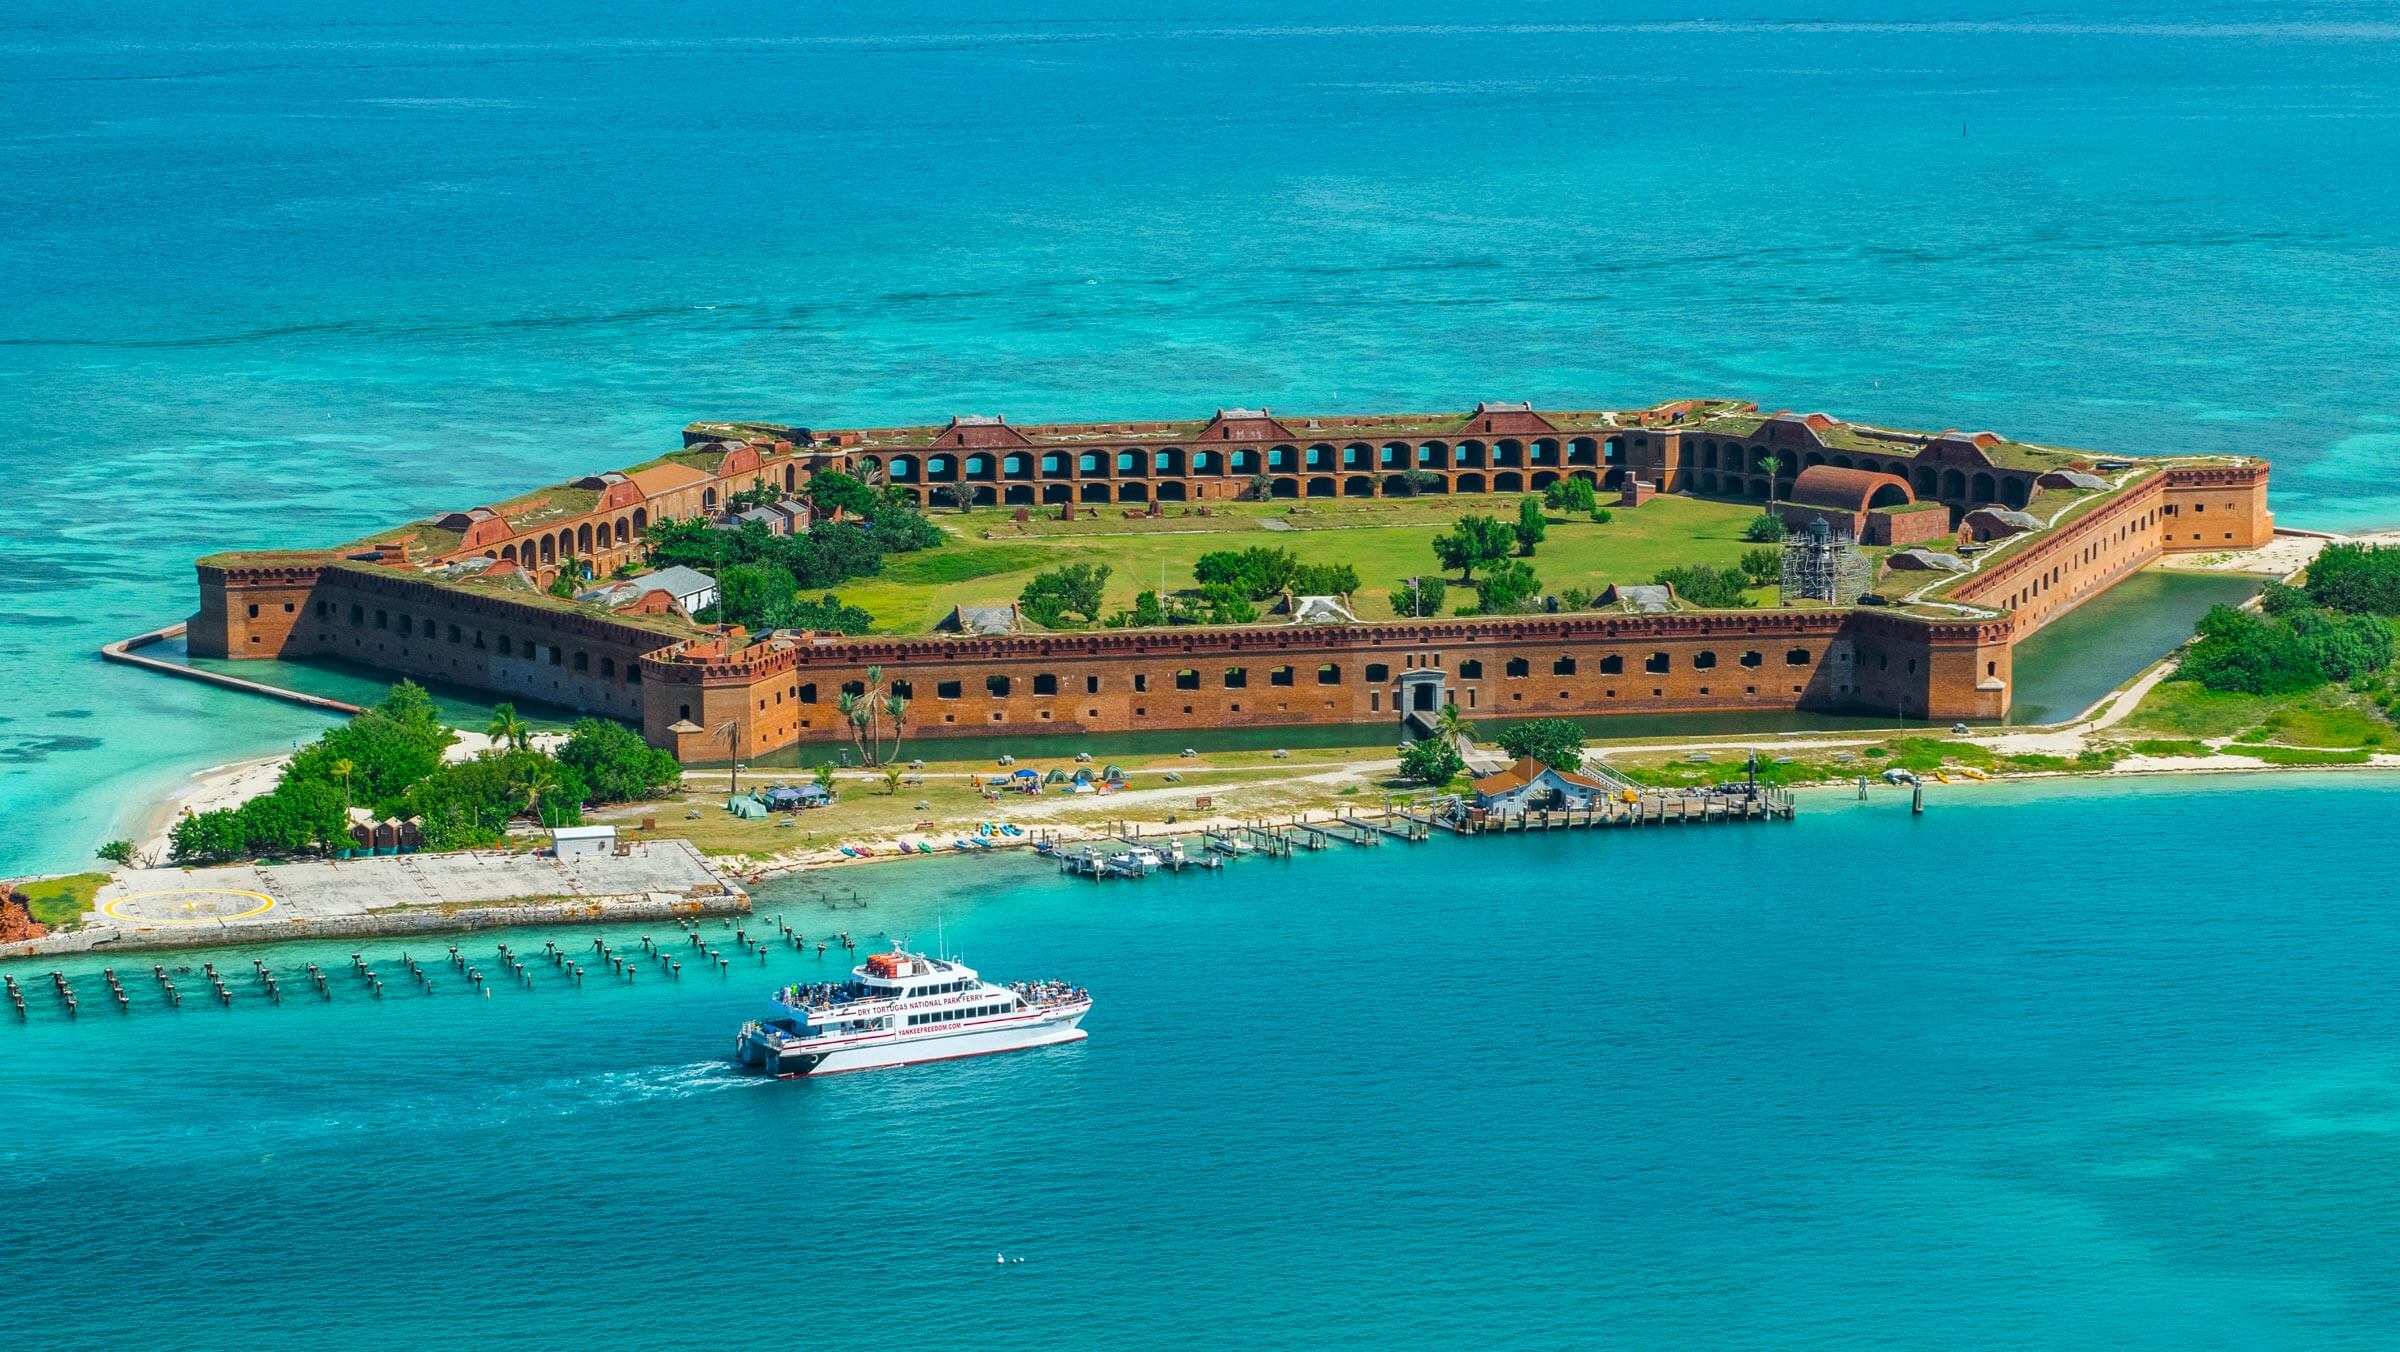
(2038, 1069)
(277, 274)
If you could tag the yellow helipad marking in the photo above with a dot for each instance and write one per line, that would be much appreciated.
(191, 911)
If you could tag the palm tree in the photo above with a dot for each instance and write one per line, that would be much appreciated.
(731, 731)
(342, 770)
(1451, 726)
(891, 779)
(826, 777)
(538, 776)
(847, 706)
(896, 709)
(874, 714)
(507, 730)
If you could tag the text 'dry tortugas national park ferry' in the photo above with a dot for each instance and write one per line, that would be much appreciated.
(900, 1008)
(462, 596)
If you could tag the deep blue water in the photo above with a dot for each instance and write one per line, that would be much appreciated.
(2040, 1069)
(276, 273)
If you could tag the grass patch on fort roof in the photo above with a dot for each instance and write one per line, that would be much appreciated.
(1383, 545)
(961, 563)
(58, 902)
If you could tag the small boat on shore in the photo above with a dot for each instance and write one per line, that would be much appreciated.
(901, 1008)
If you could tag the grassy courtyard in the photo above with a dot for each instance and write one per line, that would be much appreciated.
(994, 556)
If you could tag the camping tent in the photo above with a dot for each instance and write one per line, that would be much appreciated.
(1056, 776)
(746, 807)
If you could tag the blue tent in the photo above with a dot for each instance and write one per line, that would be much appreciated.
(784, 796)
(1028, 773)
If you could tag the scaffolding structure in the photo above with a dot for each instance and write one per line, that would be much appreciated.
(1825, 565)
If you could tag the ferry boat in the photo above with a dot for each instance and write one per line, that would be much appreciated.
(900, 1008)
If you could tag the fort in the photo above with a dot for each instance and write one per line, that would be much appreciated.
(464, 596)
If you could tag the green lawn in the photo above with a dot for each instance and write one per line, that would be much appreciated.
(1385, 541)
(56, 902)
(2328, 716)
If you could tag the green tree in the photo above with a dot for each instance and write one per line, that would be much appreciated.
(1571, 496)
(1257, 573)
(1325, 579)
(2237, 650)
(1221, 603)
(2345, 646)
(2359, 579)
(826, 615)
(1420, 598)
(1554, 742)
(826, 777)
(832, 491)
(1474, 542)
(891, 780)
(118, 852)
(753, 594)
(1507, 587)
(568, 580)
(1766, 528)
(615, 764)
(1076, 589)
(1761, 566)
(1432, 760)
(1531, 526)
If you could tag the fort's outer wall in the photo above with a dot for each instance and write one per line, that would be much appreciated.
(393, 621)
(2217, 507)
(1581, 665)
(2067, 566)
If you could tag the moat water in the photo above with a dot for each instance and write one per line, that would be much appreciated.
(2038, 1069)
(277, 276)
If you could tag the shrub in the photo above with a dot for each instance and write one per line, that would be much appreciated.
(1575, 598)
(1761, 566)
(1766, 528)
(1420, 598)
(1601, 516)
(1554, 742)
(1705, 585)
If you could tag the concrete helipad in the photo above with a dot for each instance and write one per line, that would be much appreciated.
(186, 905)
(173, 907)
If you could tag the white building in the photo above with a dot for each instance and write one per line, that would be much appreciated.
(581, 842)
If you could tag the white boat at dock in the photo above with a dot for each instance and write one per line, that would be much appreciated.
(901, 1008)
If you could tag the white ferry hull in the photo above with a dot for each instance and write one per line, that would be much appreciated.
(790, 1058)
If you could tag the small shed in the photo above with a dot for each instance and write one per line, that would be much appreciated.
(582, 842)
